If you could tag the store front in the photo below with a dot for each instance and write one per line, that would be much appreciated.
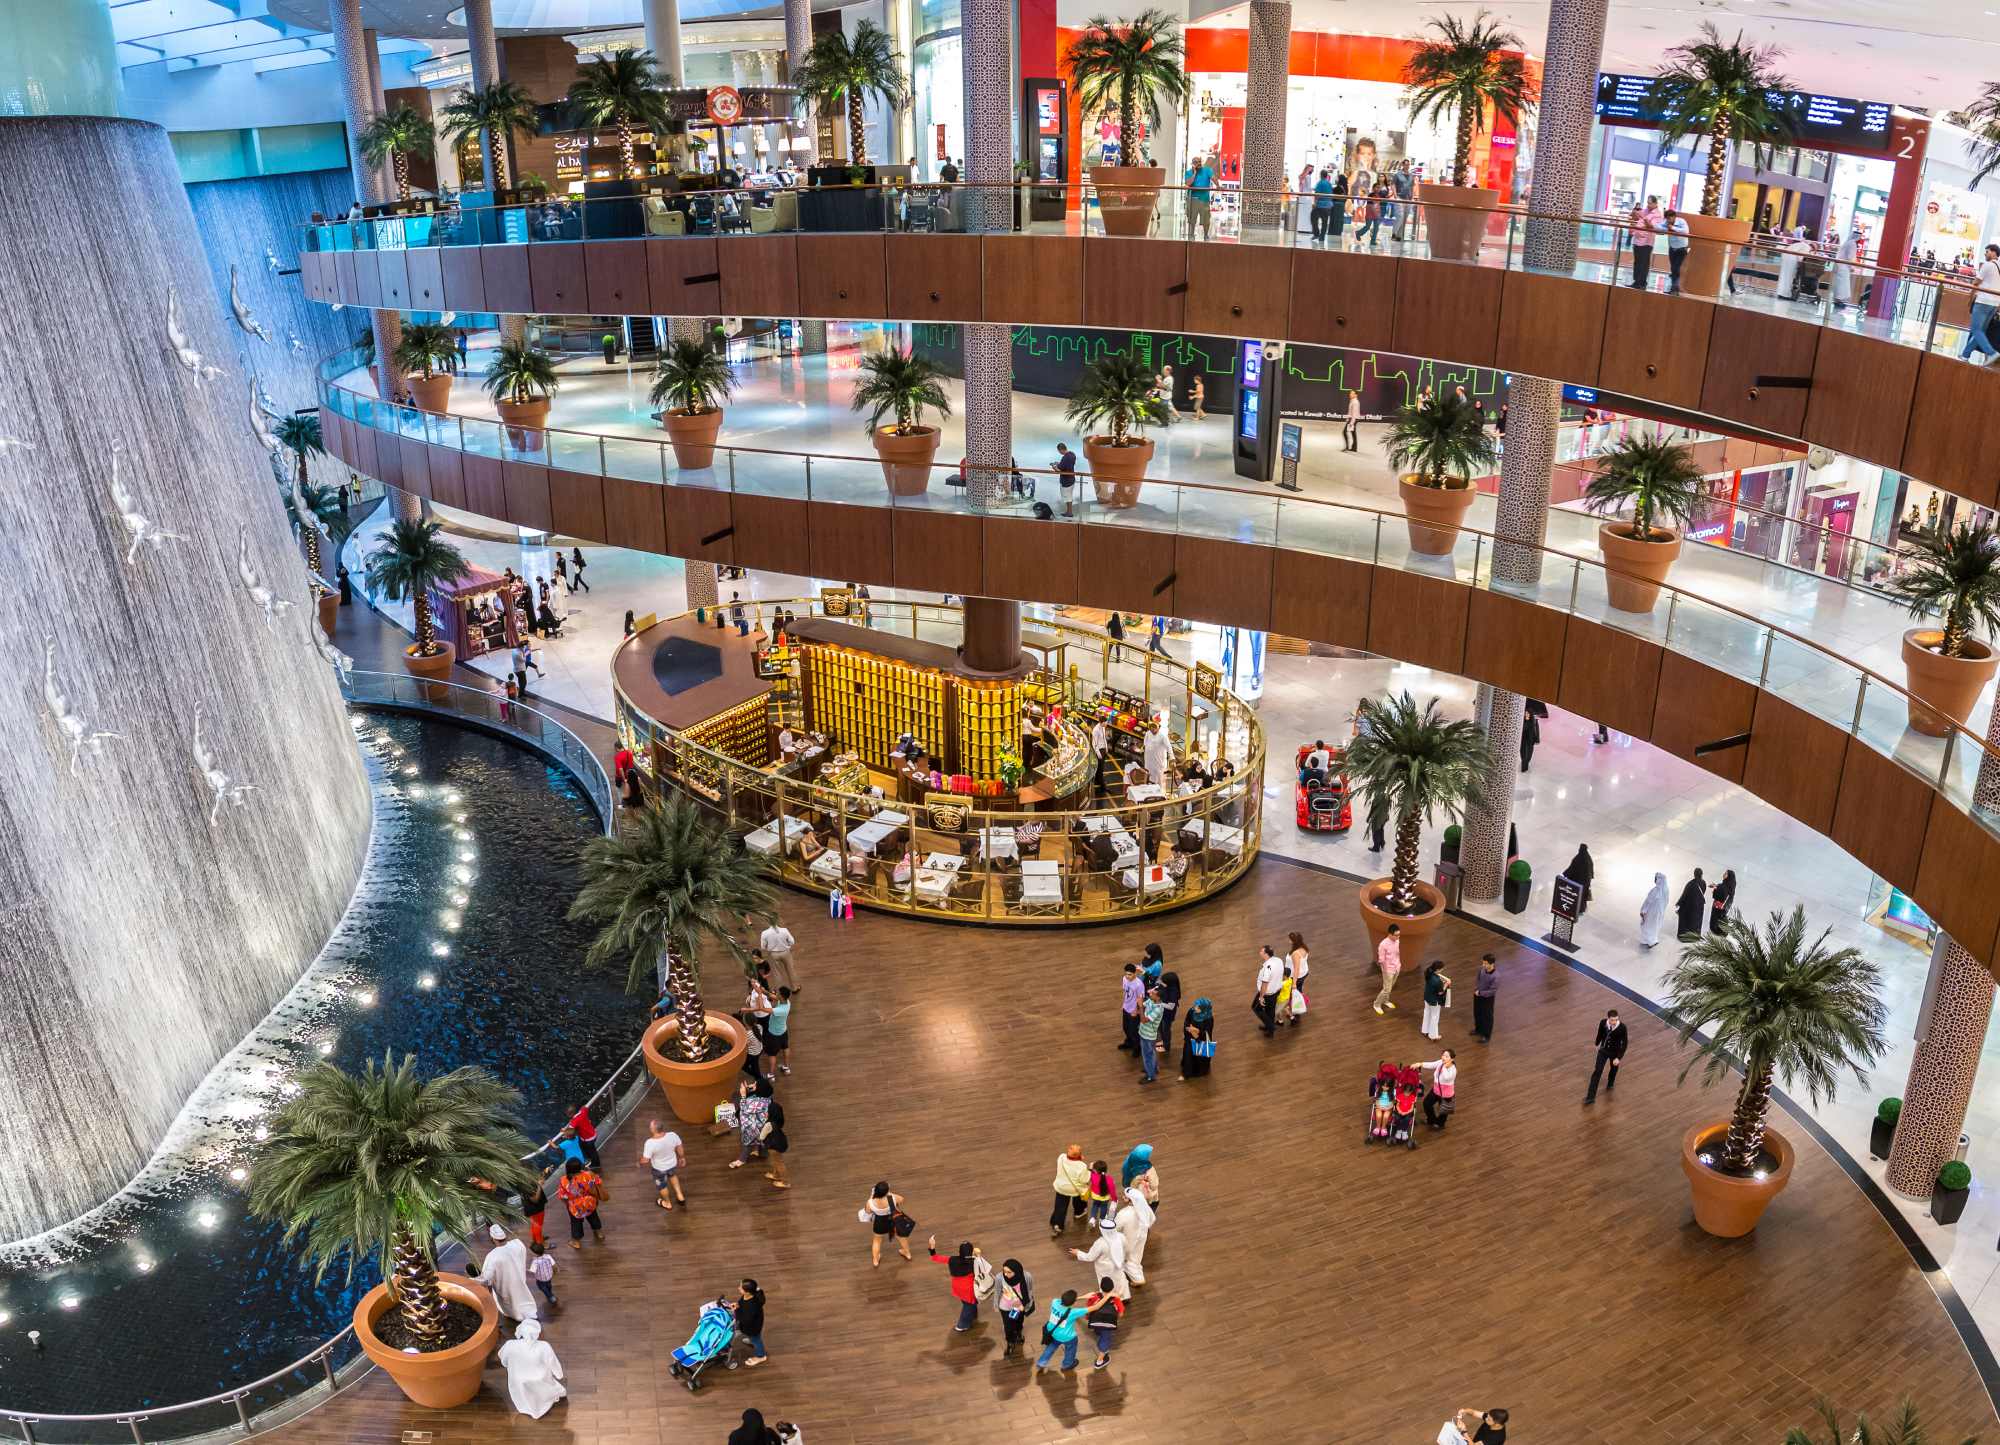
(937, 73)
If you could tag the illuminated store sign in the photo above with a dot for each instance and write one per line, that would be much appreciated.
(1821, 119)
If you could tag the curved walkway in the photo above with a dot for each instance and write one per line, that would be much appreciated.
(1536, 1255)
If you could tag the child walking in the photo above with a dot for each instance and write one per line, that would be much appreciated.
(542, 1270)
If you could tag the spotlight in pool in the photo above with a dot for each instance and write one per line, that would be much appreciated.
(428, 980)
(411, 771)
(366, 998)
(452, 921)
(261, 1133)
(458, 817)
(462, 873)
(440, 949)
(6, 1317)
(459, 900)
(464, 835)
(144, 1266)
(69, 1301)
(325, 1047)
(239, 1174)
(208, 1219)
(466, 855)
(453, 796)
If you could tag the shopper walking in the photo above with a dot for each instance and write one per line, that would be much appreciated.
(1653, 912)
(1688, 907)
(1301, 964)
(1485, 988)
(776, 1143)
(1151, 1012)
(1072, 1188)
(1350, 426)
(542, 1270)
(1169, 990)
(582, 1190)
(1059, 1331)
(1582, 871)
(664, 1154)
(1270, 979)
(1492, 1428)
(753, 1431)
(1107, 1257)
(1322, 211)
(1198, 1050)
(1135, 1222)
(504, 1271)
(1531, 736)
(535, 1204)
(749, 1326)
(959, 1268)
(1611, 1040)
(1103, 1322)
(1722, 900)
(884, 1213)
(1436, 986)
(534, 1374)
(576, 565)
(1977, 343)
(1442, 1099)
(1389, 959)
(777, 943)
(1014, 1297)
(518, 661)
(1132, 992)
(1644, 224)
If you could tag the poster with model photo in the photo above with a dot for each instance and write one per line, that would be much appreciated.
(1372, 155)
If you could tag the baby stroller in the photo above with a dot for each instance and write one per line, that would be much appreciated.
(1806, 281)
(1381, 1104)
(1409, 1093)
(713, 1334)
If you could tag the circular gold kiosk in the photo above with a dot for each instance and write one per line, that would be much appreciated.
(858, 749)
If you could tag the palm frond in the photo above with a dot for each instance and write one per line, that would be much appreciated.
(300, 433)
(1461, 71)
(426, 348)
(412, 559)
(1982, 118)
(622, 88)
(520, 373)
(692, 377)
(1713, 85)
(1954, 575)
(1116, 66)
(902, 384)
(1441, 440)
(1657, 477)
(401, 131)
(1118, 389)
(1408, 761)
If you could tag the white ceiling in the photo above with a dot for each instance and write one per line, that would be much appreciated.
(444, 19)
(197, 34)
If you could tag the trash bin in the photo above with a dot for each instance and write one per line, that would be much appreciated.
(1450, 881)
(1964, 1148)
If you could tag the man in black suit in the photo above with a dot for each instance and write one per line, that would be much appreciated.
(1611, 1039)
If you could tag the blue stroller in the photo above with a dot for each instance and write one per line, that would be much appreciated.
(713, 1334)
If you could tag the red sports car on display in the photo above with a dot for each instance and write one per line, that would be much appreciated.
(1323, 805)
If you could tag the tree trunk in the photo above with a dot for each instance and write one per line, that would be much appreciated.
(1718, 163)
(413, 1283)
(628, 151)
(857, 129)
(1746, 1125)
(1955, 631)
(499, 176)
(402, 175)
(426, 634)
(1461, 156)
(311, 526)
(1403, 872)
(691, 1042)
(1118, 428)
(1128, 125)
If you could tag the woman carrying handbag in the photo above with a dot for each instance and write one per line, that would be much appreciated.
(883, 1214)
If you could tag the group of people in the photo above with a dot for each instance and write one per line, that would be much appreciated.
(1695, 897)
(1149, 1010)
(1368, 197)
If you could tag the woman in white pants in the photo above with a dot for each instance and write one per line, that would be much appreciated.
(1436, 984)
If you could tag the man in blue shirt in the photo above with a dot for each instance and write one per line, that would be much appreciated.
(1199, 180)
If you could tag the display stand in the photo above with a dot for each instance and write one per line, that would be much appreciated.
(1565, 903)
(456, 608)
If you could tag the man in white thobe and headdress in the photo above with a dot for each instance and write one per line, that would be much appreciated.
(534, 1374)
(1652, 911)
(1107, 1258)
(1156, 753)
(505, 1272)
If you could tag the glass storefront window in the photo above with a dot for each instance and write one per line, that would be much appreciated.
(939, 74)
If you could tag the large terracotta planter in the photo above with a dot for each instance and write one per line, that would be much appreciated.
(525, 421)
(1634, 570)
(693, 437)
(433, 669)
(1455, 218)
(1417, 928)
(329, 611)
(1712, 246)
(1126, 197)
(1951, 685)
(444, 1379)
(433, 393)
(1117, 472)
(1434, 514)
(693, 1090)
(906, 459)
(1726, 1207)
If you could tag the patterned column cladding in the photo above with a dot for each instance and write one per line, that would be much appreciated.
(1534, 408)
(812, 337)
(1264, 115)
(1482, 845)
(989, 166)
(514, 330)
(388, 329)
(1942, 1073)
(687, 328)
(798, 40)
(703, 585)
(483, 50)
(1563, 124)
(371, 45)
(350, 55)
(409, 506)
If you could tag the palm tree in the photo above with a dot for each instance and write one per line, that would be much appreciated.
(409, 561)
(1126, 68)
(903, 383)
(1462, 73)
(1903, 1429)
(1955, 573)
(1657, 477)
(1982, 118)
(1781, 1009)
(322, 506)
(494, 113)
(623, 89)
(520, 374)
(426, 348)
(396, 135)
(1120, 390)
(666, 888)
(1442, 442)
(374, 1165)
(1410, 765)
(300, 434)
(692, 378)
(1729, 92)
(838, 69)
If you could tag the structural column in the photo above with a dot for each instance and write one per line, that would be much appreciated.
(483, 50)
(798, 40)
(704, 588)
(663, 37)
(361, 95)
(1264, 107)
(446, 154)
(987, 45)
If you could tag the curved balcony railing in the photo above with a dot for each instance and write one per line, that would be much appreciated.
(1909, 306)
(1084, 862)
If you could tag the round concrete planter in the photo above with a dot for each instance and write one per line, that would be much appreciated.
(1951, 685)
(433, 393)
(1126, 196)
(1634, 570)
(433, 669)
(906, 459)
(1712, 246)
(1416, 928)
(693, 437)
(1434, 514)
(1455, 218)
(1117, 472)
(693, 1090)
(443, 1379)
(329, 611)
(1727, 1207)
(525, 421)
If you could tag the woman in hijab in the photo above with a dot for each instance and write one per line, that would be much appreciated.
(1136, 1163)
(753, 1431)
(1135, 1221)
(1722, 900)
(1140, 1174)
(1151, 965)
(1653, 912)
(1170, 1000)
(1687, 909)
(1014, 1297)
(534, 1374)
(1581, 870)
(1199, 1051)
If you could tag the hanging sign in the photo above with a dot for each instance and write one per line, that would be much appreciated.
(725, 105)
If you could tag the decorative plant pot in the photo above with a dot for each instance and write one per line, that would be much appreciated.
(693, 1090)
(1712, 245)
(442, 1379)
(1514, 894)
(1434, 514)
(906, 459)
(693, 437)
(1881, 1134)
(1455, 218)
(329, 611)
(1126, 197)
(1948, 1204)
(1725, 1206)
(433, 393)
(433, 669)
(1634, 570)
(1951, 685)
(1417, 928)
(1117, 472)
(1448, 851)
(610, 351)
(525, 421)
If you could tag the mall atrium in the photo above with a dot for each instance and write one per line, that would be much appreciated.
(1100, 539)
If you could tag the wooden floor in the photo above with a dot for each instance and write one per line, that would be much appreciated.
(1301, 1285)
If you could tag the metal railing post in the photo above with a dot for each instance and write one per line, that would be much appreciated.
(1764, 672)
(1944, 768)
(1673, 601)
(603, 466)
(1575, 582)
(1860, 697)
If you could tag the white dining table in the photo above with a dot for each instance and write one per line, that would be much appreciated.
(764, 841)
(1132, 878)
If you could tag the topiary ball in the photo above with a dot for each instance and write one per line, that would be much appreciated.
(1518, 871)
(1955, 1175)
(1889, 1110)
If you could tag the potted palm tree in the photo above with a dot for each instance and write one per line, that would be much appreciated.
(409, 561)
(427, 355)
(665, 889)
(1437, 447)
(1124, 69)
(1783, 1009)
(494, 113)
(691, 383)
(1661, 482)
(374, 1167)
(1122, 393)
(395, 136)
(840, 70)
(1954, 574)
(522, 382)
(301, 435)
(623, 90)
(1408, 766)
(903, 385)
(1904, 1428)
(1732, 93)
(1464, 70)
